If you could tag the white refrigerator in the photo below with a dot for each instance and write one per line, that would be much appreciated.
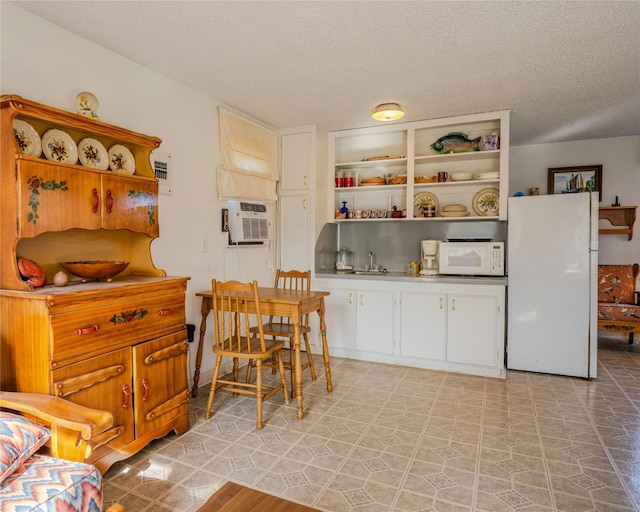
(552, 264)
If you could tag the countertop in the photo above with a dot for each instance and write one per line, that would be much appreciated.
(393, 275)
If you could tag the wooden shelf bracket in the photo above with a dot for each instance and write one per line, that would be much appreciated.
(624, 216)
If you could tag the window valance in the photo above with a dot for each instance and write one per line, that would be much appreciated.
(249, 159)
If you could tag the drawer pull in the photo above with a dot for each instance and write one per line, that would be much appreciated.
(127, 396)
(88, 330)
(165, 312)
(96, 201)
(109, 201)
(145, 385)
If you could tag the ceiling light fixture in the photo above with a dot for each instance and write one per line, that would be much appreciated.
(387, 112)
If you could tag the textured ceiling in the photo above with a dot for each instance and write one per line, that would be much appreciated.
(567, 70)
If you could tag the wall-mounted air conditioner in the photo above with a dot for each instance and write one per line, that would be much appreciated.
(248, 222)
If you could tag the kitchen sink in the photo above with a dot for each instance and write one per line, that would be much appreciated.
(370, 272)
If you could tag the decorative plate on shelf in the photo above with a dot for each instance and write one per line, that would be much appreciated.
(487, 202)
(92, 154)
(422, 199)
(27, 138)
(121, 159)
(58, 146)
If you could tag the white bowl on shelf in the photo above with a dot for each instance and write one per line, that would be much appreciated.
(461, 176)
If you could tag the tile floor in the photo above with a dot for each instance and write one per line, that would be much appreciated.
(392, 438)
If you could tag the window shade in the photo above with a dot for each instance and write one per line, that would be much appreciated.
(249, 159)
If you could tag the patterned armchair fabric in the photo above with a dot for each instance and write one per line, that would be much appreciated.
(30, 481)
(43, 483)
(618, 309)
(35, 473)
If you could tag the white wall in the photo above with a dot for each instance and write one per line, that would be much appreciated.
(44, 63)
(620, 160)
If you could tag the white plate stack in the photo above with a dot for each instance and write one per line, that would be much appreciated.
(454, 210)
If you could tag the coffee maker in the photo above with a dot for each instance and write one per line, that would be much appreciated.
(429, 257)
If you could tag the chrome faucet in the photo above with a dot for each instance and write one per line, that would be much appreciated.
(370, 260)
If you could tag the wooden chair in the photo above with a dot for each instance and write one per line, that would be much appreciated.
(618, 300)
(233, 304)
(281, 327)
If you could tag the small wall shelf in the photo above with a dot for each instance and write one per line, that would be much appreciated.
(624, 216)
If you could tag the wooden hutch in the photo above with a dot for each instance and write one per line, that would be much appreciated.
(120, 346)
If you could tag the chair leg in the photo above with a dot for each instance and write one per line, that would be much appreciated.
(630, 338)
(283, 377)
(249, 370)
(212, 391)
(259, 423)
(309, 356)
(235, 373)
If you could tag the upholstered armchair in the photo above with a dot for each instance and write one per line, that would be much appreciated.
(43, 443)
(618, 299)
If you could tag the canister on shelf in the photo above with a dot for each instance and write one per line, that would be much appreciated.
(429, 210)
(349, 179)
(339, 179)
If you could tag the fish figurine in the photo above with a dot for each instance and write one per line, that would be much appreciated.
(456, 142)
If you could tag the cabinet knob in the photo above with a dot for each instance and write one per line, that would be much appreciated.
(453, 304)
(304, 180)
(165, 312)
(304, 204)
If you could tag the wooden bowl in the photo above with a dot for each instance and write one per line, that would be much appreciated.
(94, 269)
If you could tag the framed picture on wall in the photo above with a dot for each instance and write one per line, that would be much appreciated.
(572, 180)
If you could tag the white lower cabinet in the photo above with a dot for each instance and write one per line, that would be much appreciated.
(361, 320)
(472, 330)
(375, 312)
(423, 325)
(340, 319)
(455, 327)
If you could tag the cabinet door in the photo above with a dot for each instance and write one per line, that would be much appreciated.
(130, 203)
(160, 381)
(295, 241)
(56, 198)
(295, 161)
(375, 314)
(423, 320)
(340, 318)
(104, 382)
(472, 330)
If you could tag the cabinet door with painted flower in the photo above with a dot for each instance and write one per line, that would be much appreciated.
(130, 203)
(55, 197)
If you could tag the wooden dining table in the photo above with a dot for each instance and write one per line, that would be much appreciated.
(294, 304)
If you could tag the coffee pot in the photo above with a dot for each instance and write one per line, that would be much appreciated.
(429, 257)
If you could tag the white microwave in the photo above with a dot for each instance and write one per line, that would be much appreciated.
(471, 258)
